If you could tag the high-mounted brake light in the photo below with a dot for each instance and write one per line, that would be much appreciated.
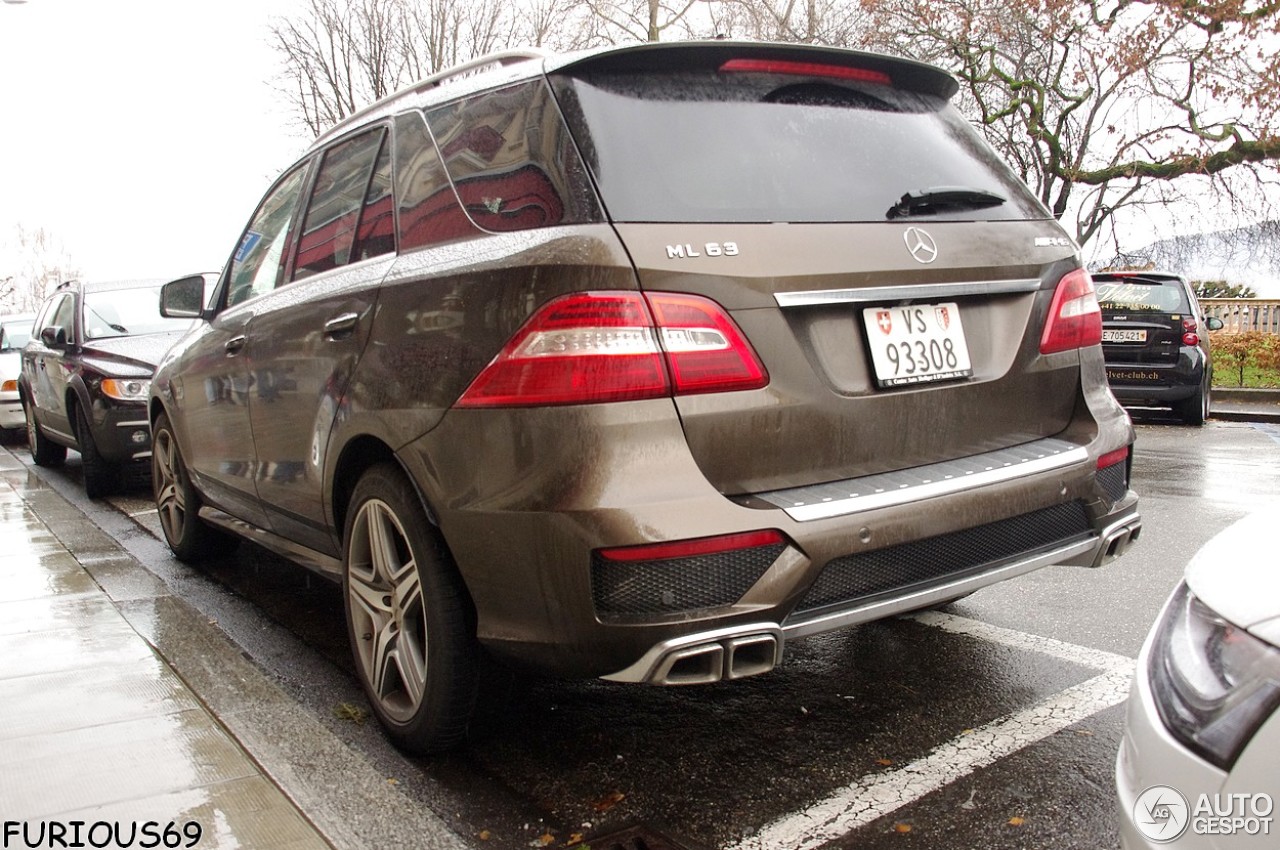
(806, 69)
(618, 346)
(1075, 319)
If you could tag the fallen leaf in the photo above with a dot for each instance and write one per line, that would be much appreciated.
(1016, 821)
(352, 713)
(546, 838)
(902, 827)
(576, 838)
(608, 802)
(484, 835)
(391, 780)
(884, 762)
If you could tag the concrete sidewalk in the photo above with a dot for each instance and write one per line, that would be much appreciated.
(101, 742)
(1245, 405)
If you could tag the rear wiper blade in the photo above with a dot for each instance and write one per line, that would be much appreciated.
(940, 198)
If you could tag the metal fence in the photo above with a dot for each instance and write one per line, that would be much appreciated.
(1244, 314)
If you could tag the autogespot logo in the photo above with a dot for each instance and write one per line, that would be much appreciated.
(1161, 813)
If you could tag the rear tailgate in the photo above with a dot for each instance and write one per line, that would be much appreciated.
(825, 414)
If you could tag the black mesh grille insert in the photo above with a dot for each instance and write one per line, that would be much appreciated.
(678, 584)
(1113, 481)
(948, 556)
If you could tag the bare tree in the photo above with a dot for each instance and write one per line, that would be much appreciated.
(34, 263)
(339, 56)
(1108, 105)
(830, 22)
(643, 20)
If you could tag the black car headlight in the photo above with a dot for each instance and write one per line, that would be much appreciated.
(1214, 683)
(127, 389)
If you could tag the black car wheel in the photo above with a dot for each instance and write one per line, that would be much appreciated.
(1194, 410)
(101, 476)
(178, 502)
(408, 617)
(44, 452)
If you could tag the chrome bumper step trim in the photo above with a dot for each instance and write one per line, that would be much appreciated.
(872, 492)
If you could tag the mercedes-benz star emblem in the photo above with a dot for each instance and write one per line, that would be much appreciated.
(920, 244)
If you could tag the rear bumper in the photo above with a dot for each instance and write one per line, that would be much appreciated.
(11, 415)
(1158, 384)
(526, 541)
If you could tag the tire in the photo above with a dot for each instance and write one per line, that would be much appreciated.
(178, 502)
(409, 618)
(1194, 410)
(101, 476)
(44, 452)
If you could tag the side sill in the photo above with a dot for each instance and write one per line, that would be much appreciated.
(325, 565)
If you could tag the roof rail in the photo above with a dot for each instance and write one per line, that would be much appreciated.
(500, 58)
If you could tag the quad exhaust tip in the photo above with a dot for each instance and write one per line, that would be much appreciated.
(1118, 541)
(717, 660)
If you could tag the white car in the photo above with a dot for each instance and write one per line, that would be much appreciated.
(1198, 764)
(14, 331)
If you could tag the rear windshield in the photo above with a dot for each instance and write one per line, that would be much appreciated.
(707, 146)
(1142, 296)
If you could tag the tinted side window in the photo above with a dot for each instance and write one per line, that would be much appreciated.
(329, 229)
(63, 315)
(377, 235)
(512, 160)
(258, 264)
(429, 211)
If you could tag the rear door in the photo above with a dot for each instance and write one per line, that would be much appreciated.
(306, 335)
(892, 274)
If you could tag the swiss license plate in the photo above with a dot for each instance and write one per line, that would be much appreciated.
(917, 344)
(1123, 335)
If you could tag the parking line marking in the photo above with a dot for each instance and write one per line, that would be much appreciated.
(872, 797)
(1084, 656)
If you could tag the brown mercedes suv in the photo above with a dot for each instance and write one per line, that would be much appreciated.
(640, 364)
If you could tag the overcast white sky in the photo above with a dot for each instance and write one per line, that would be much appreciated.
(139, 133)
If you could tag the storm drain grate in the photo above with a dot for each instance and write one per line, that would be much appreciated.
(637, 838)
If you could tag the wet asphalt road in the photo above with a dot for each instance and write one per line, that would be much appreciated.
(992, 725)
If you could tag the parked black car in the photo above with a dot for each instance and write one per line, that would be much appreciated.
(1155, 342)
(86, 375)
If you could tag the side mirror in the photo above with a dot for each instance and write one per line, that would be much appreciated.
(54, 337)
(183, 298)
(1213, 323)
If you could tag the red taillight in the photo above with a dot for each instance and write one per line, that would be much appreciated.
(606, 346)
(1075, 320)
(693, 548)
(807, 69)
(1189, 335)
(1112, 458)
(10, 386)
(704, 348)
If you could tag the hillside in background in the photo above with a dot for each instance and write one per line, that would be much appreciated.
(1248, 255)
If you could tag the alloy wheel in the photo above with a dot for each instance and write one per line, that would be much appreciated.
(387, 615)
(169, 480)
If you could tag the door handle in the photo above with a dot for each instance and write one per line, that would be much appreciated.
(234, 345)
(341, 325)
